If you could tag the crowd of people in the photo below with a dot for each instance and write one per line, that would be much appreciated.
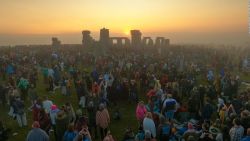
(190, 93)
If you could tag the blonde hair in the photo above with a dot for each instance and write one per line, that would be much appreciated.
(149, 115)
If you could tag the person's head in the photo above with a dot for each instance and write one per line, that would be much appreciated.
(60, 114)
(35, 124)
(79, 113)
(205, 126)
(245, 114)
(71, 127)
(190, 126)
(101, 106)
(169, 95)
(149, 115)
(236, 121)
(141, 103)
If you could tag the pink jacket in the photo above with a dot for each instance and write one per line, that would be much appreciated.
(140, 112)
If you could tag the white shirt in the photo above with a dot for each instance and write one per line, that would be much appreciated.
(46, 105)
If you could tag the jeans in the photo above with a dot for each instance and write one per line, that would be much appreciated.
(21, 119)
(169, 115)
(11, 112)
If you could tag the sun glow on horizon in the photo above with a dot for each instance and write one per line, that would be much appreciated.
(31, 20)
(127, 31)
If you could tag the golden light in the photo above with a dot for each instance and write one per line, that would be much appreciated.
(127, 31)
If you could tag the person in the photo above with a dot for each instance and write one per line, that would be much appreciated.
(70, 112)
(102, 120)
(36, 108)
(44, 121)
(37, 134)
(53, 113)
(70, 134)
(133, 93)
(23, 85)
(81, 120)
(62, 122)
(164, 129)
(83, 135)
(207, 110)
(3, 92)
(148, 124)
(4, 132)
(140, 111)
(47, 104)
(50, 85)
(206, 135)
(129, 135)
(245, 118)
(18, 106)
(237, 131)
(140, 135)
(63, 86)
(247, 137)
(91, 109)
(32, 94)
(169, 107)
(190, 132)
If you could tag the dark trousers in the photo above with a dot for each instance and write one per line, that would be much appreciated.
(54, 128)
(103, 132)
(93, 131)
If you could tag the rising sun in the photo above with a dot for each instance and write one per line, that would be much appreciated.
(127, 31)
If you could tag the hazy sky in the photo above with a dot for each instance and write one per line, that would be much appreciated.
(66, 18)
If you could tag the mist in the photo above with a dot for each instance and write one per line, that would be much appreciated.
(236, 38)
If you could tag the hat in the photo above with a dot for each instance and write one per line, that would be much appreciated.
(53, 107)
(35, 124)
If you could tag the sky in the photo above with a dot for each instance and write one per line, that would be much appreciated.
(183, 21)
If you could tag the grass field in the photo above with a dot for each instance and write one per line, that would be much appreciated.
(117, 127)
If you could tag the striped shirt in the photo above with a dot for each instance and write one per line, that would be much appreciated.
(102, 118)
(236, 133)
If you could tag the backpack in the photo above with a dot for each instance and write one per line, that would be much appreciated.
(19, 107)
